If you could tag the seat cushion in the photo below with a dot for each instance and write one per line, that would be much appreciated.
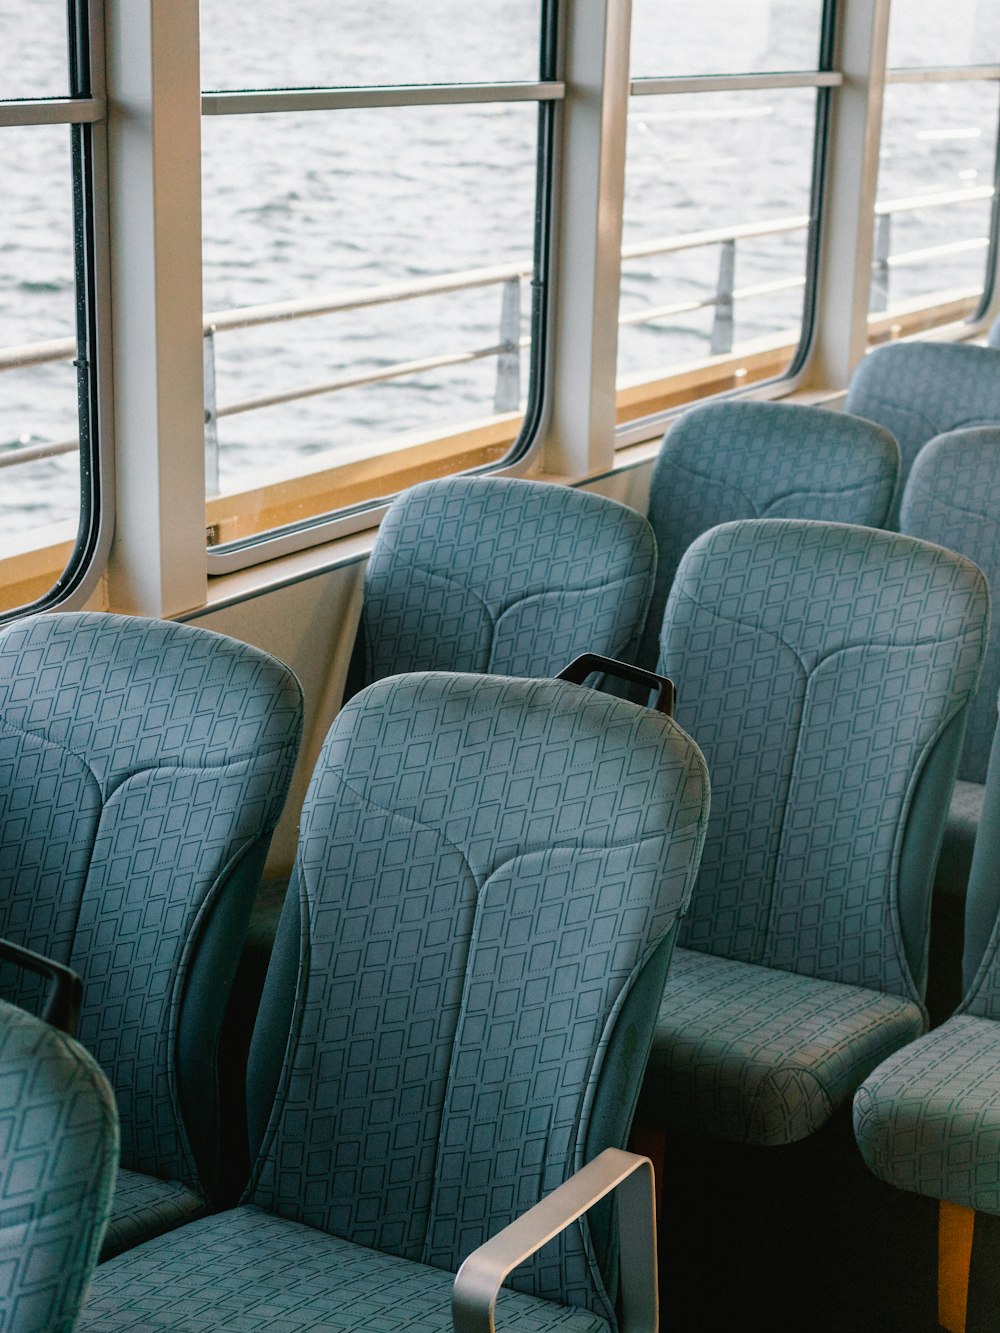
(144, 1207)
(964, 814)
(928, 1119)
(249, 1270)
(755, 1055)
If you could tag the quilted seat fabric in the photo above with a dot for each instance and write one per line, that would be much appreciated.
(825, 671)
(928, 1119)
(953, 498)
(145, 1206)
(497, 574)
(490, 870)
(248, 1270)
(58, 1154)
(751, 1054)
(921, 389)
(727, 461)
(143, 767)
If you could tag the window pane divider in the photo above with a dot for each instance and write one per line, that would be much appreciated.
(345, 99)
(723, 83)
(53, 111)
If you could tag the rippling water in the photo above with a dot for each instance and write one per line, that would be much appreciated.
(302, 205)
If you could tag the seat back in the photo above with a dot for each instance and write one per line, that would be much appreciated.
(921, 389)
(58, 1158)
(952, 498)
(485, 865)
(727, 461)
(825, 671)
(981, 956)
(143, 767)
(502, 575)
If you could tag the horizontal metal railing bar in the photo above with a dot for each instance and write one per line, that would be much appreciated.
(694, 240)
(724, 83)
(935, 251)
(267, 101)
(649, 316)
(37, 354)
(913, 203)
(35, 452)
(53, 111)
(943, 74)
(360, 297)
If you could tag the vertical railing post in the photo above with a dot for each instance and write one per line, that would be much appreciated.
(880, 262)
(507, 397)
(211, 420)
(722, 324)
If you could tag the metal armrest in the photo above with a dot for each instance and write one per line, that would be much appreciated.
(479, 1279)
(62, 1008)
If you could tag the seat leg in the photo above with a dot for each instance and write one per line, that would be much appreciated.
(983, 1307)
(955, 1229)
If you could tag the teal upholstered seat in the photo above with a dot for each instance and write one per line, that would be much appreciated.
(457, 1014)
(58, 1151)
(727, 461)
(143, 767)
(921, 389)
(953, 498)
(825, 671)
(928, 1118)
(503, 575)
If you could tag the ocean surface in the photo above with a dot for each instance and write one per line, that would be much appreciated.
(321, 204)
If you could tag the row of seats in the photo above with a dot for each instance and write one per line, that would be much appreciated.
(511, 613)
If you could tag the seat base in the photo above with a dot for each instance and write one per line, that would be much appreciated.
(144, 1207)
(250, 1270)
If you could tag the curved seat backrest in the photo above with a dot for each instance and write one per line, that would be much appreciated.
(58, 1157)
(981, 957)
(825, 671)
(143, 767)
(952, 498)
(502, 575)
(921, 389)
(485, 864)
(727, 461)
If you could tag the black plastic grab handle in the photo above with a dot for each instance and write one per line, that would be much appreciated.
(62, 1008)
(587, 663)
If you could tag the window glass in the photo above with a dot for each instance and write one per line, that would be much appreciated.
(39, 499)
(349, 43)
(964, 32)
(325, 207)
(935, 180)
(671, 37)
(740, 288)
(33, 41)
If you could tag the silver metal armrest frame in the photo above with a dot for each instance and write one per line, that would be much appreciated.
(474, 1294)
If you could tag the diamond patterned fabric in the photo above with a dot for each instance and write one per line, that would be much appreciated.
(727, 461)
(755, 1055)
(145, 1206)
(953, 498)
(928, 1119)
(503, 575)
(817, 664)
(140, 764)
(921, 389)
(58, 1152)
(247, 1270)
(484, 866)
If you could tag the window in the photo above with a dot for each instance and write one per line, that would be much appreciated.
(372, 251)
(48, 463)
(721, 194)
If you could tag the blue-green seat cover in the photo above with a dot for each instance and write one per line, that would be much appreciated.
(143, 767)
(928, 1118)
(726, 461)
(58, 1152)
(825, 671)
(503, 575)
(921, 389)
(953, 498)
(490, 875)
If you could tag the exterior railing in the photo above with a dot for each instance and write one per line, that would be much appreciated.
(507, 348)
